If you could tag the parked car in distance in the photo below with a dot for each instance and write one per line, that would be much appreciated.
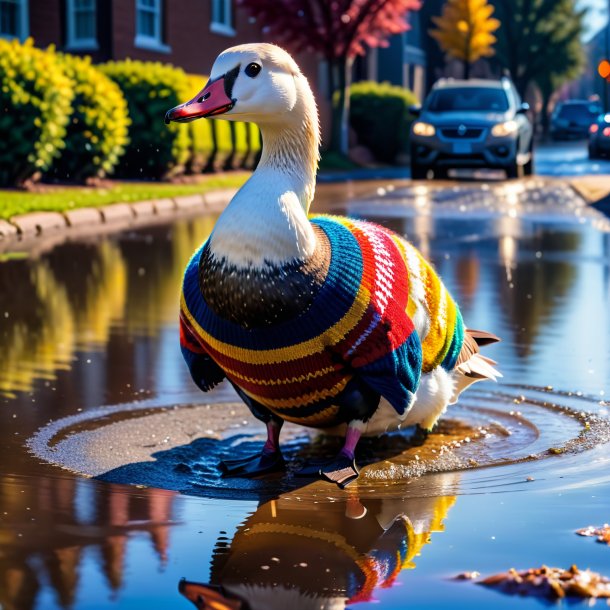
(571, 119)
(472, 124)
(599, 137)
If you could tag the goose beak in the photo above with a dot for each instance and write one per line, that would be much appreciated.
(213, 99)
(210, 597)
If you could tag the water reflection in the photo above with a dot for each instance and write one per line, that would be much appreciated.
(48, 526)
(302, 551)
(93, 323)
(79, 295)
(534, 289)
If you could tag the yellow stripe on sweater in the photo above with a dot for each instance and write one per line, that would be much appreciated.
(436, 301)
(282, 381)
(411, 303)
(321, 418)
(442, 313)
(449, 326)
(302, 400)
(332, 336)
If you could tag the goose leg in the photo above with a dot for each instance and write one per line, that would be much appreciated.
(269, 460)
(342, 470)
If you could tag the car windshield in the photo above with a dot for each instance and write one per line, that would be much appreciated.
(486, 99)
(578, 111)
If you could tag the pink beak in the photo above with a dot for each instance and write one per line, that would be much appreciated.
(213, 99)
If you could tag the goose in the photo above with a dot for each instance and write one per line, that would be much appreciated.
(324, 321)
(347, 551)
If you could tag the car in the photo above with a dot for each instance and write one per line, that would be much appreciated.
(571, 119)
(472, 124)
(599, 137)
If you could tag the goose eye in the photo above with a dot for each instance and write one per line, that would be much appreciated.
(252, 70)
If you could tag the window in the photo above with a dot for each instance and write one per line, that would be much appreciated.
(14, 19)
(480, 99)
(81, 24)
(222, 17)
(149, 26)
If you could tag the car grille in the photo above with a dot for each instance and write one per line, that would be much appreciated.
(470, 133)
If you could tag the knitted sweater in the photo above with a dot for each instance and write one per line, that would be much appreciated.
(373, 309)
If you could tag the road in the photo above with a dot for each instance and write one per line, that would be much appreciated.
(568, 159)
(553, 159)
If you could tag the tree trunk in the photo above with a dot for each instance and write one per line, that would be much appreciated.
(466, 69)
(341, 80)
(545, 119)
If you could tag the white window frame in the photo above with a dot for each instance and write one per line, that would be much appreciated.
(155, 42)
(24, 21)
(222, 27)
(72, 42)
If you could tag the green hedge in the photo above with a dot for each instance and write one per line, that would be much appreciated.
(35, 104)
(223, 144)
(97, 132)
(255, 144)
(155, 150)
(239, 133)
(202, 138)
(62, 115)
(380, 117)
(217, 144)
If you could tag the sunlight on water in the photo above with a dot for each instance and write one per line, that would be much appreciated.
(94, 323)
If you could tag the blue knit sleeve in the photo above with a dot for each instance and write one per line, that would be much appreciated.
(204, 371)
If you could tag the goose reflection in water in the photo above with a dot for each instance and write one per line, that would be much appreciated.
(300, 553)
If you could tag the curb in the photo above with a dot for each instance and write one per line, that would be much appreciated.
(25, 230)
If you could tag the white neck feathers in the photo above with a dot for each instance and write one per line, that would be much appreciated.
(266, 222)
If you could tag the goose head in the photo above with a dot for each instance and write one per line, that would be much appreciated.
(259, 83)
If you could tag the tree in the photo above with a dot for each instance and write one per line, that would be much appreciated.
(568, 61)
(465, 30)
(339, 31)
(539, 42)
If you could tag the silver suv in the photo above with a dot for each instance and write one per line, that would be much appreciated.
(472, 124)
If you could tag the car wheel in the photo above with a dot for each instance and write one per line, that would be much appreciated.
(441, 173)
(528, 168)
(419, 172)
(514, 170)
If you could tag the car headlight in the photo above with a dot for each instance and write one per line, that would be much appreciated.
(423, 129)
(501, 130)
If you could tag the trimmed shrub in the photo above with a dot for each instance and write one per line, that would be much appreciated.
(380, 117)
(239, 132)
(97, 132)
(255, 145)
(202, 138)
(155, 150)
(223, 144)
(35, 104)
(220, 144)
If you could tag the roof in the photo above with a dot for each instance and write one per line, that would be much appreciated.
(450, 83)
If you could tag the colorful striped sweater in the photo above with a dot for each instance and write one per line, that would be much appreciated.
(369, 306)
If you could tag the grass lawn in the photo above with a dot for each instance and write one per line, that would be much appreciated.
(60, 199)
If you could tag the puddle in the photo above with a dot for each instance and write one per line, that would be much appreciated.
(179, 447)
(110, 506)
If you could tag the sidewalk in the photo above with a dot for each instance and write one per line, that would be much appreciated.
(38, 231)
(595, 190)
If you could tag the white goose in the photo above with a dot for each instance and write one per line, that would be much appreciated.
(326, 322)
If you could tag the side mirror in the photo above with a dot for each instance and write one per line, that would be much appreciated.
(523, 108)
(415, 110)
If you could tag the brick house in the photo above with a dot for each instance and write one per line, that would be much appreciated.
(186, 33)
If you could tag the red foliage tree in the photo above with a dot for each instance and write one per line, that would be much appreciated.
(339, 31)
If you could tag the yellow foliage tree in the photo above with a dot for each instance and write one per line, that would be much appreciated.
(465, 30)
